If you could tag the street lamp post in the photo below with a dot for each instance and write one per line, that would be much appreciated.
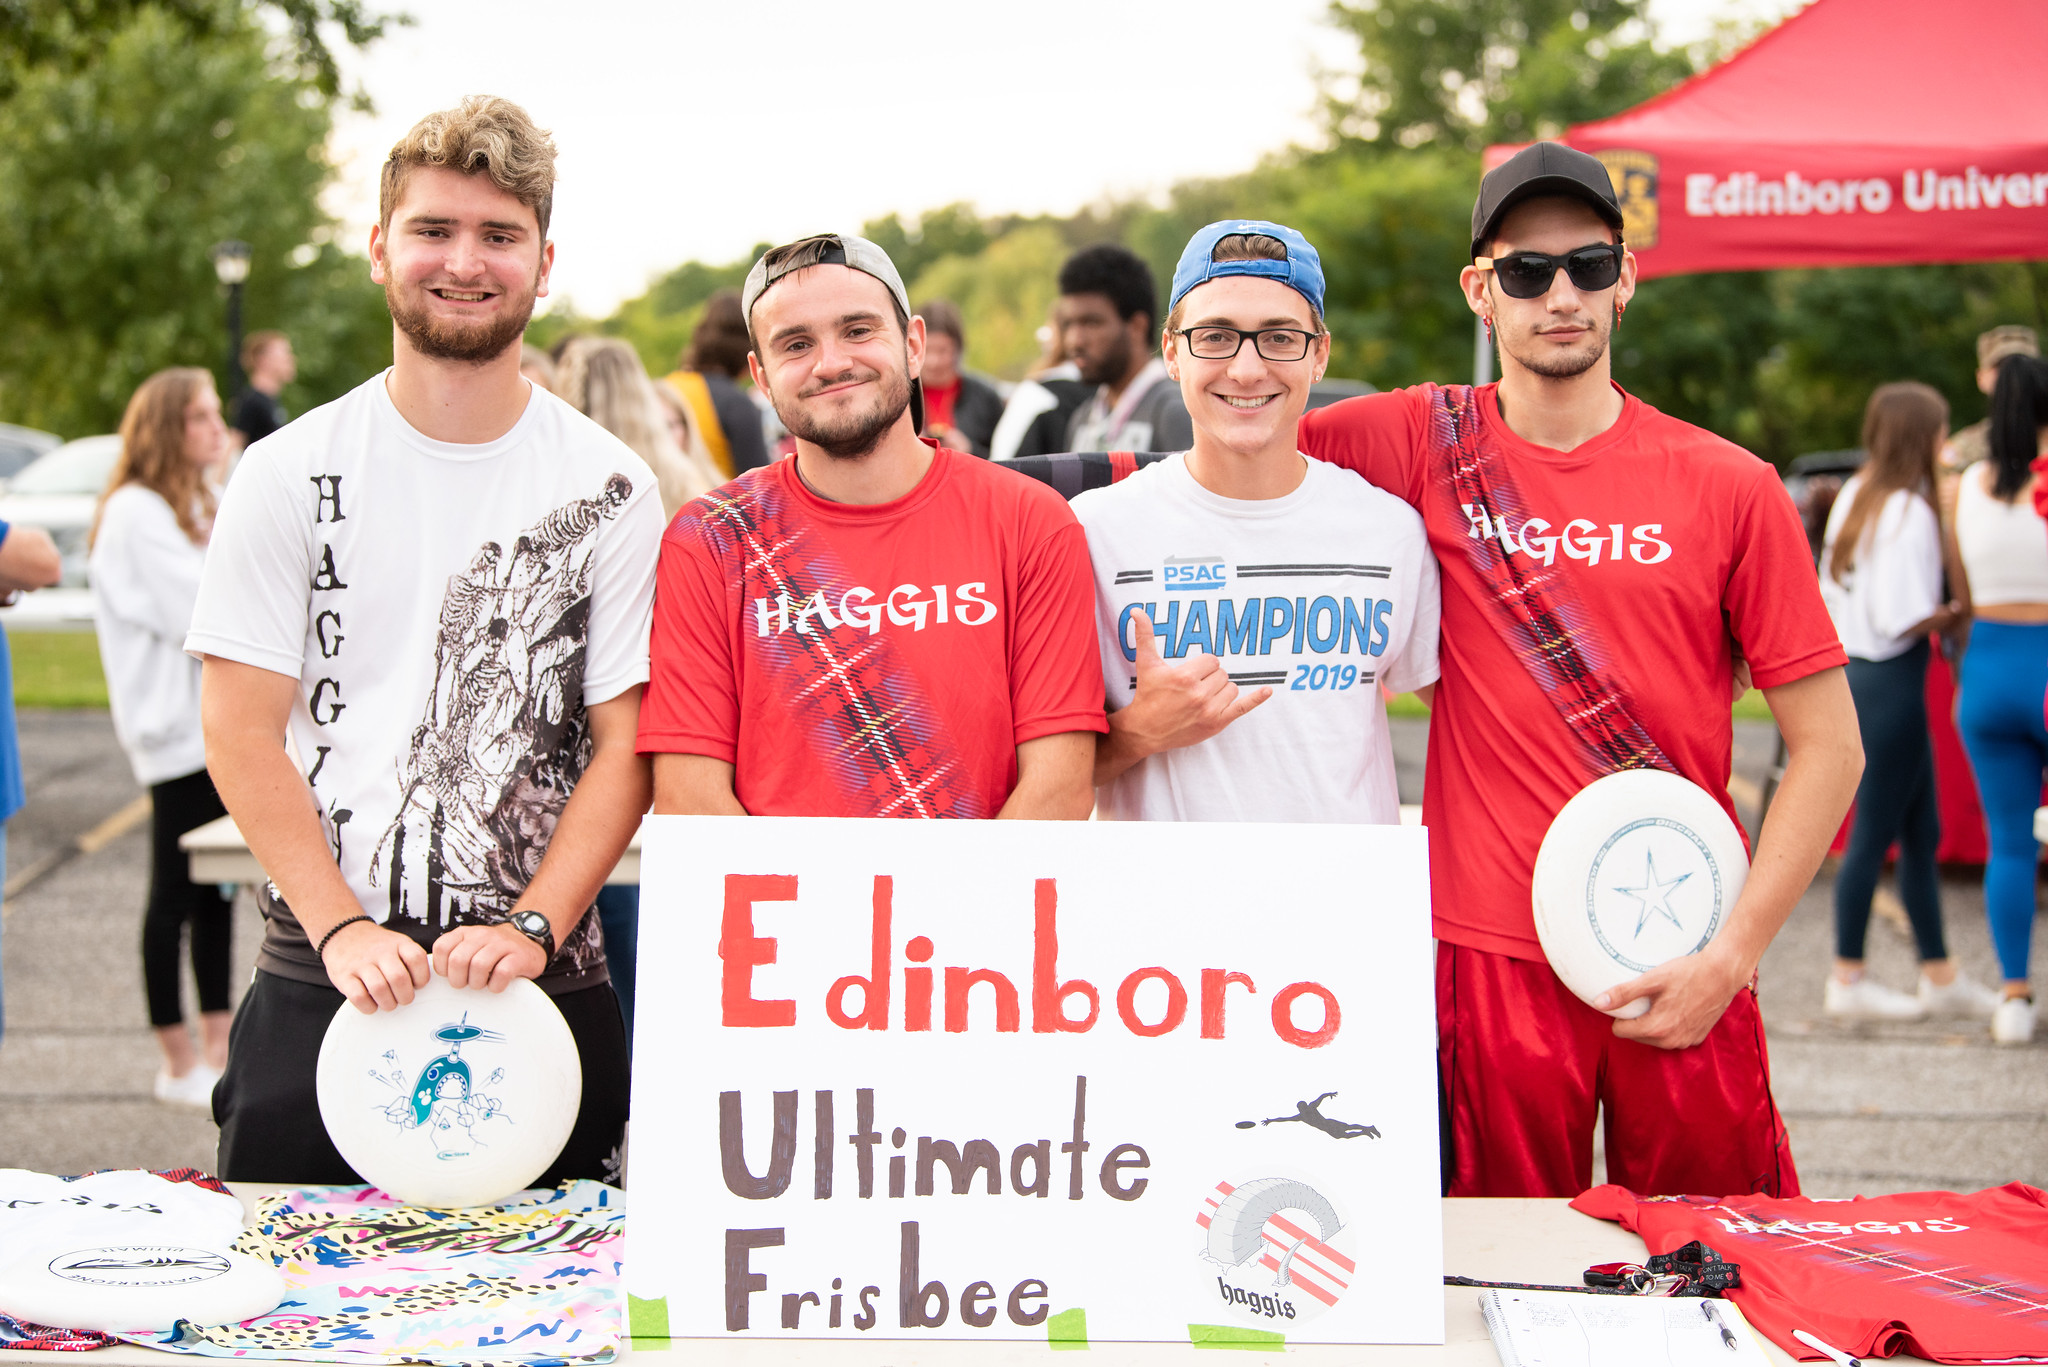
(231, 264)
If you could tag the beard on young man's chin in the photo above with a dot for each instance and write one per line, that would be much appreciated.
(446, 341)
(1107, 368)
(1564, 365)
(852, 435)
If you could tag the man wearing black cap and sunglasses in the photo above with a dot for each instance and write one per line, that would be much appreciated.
(1605, 567)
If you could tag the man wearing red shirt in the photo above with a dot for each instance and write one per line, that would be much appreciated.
(874, 626)
(1672, 554)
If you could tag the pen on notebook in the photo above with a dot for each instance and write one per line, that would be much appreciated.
(1837, 1354)
(1727, 1338)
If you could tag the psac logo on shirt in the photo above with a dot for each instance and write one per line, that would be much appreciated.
(1194, 574)
(1577, 539)
(906, 605)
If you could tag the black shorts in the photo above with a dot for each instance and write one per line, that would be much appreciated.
(269, 1113)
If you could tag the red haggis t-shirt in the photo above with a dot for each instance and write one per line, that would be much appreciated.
(1670, 540)
(1947, 1276)
(884, 660)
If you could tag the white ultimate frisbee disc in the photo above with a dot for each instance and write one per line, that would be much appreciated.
(137, 1288)
(459, 1099)
(1640, 868)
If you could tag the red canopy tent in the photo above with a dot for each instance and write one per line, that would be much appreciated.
(1856, 133)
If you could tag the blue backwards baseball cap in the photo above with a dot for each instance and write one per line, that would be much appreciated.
(1301, 271)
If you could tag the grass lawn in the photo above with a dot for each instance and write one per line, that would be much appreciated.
(1749, 707)
(57, 669)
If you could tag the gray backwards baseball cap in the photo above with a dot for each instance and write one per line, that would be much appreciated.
(835, 249)
(1542, 168)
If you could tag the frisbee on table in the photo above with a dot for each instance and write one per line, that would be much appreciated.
(1640, 868)
(460, 1098)
(137, 1287)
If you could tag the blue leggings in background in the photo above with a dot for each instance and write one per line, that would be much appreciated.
(2003, 680)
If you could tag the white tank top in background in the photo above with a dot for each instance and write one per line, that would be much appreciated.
(2004, 545)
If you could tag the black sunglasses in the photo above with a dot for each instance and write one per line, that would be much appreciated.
(1527, 275)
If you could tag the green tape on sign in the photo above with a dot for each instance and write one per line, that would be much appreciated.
(1067, 1330)
(1230, 1336)
(647, 1319)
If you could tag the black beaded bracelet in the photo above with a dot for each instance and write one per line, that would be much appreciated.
(320, 950)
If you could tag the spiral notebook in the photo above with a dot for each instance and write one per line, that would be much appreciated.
(1566, 1329)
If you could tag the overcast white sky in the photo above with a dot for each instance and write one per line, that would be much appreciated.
(697, 129)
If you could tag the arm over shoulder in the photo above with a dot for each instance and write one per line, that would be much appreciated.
(1380, 436)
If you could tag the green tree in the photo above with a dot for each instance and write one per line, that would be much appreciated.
(116, 175)
(955, 230)
(659, 322)
(1465, 73)
(73, 34)
(1004, 292)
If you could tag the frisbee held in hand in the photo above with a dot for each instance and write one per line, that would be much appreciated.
(460, 1099)
(1640, 868)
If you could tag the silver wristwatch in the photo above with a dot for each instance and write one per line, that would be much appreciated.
(534, 927)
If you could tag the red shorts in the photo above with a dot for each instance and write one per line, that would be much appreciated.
(1526, 1064)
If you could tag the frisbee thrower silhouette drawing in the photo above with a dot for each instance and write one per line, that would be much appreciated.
(1310, 1113)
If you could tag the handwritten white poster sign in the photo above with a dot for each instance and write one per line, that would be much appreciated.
(1014, 1080)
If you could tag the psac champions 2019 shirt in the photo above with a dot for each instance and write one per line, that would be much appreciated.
(882, 660)
(1670, 541)
(1947, 1276)
(1323, 594)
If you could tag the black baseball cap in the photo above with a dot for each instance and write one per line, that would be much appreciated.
(1542, 168)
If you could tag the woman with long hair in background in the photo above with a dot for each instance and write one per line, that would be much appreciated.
(1881, 578)
(2005, 671)
(147, 547)
(602, 378)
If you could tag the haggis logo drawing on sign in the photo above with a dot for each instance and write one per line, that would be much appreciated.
(1012, 1080)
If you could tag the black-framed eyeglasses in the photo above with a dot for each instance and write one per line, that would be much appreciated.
(1527, 275)
(1213, 342)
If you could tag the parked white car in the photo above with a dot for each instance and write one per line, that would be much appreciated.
(58, 493)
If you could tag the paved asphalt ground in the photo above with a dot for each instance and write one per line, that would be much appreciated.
(1871, 1109)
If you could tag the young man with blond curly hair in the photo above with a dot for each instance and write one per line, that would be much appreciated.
(424, 624)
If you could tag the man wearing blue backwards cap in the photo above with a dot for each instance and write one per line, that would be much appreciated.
(1241, 585)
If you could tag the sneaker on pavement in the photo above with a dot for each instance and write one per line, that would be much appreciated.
(1961, 996)
(1869, 1000)
(2013, 1021)
(195, 1089)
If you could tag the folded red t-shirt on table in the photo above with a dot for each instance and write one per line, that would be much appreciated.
(1948, 1276)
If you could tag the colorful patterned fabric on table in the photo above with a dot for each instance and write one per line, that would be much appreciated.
(532, 1282)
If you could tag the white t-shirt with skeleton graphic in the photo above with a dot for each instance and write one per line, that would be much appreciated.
(449, 612)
